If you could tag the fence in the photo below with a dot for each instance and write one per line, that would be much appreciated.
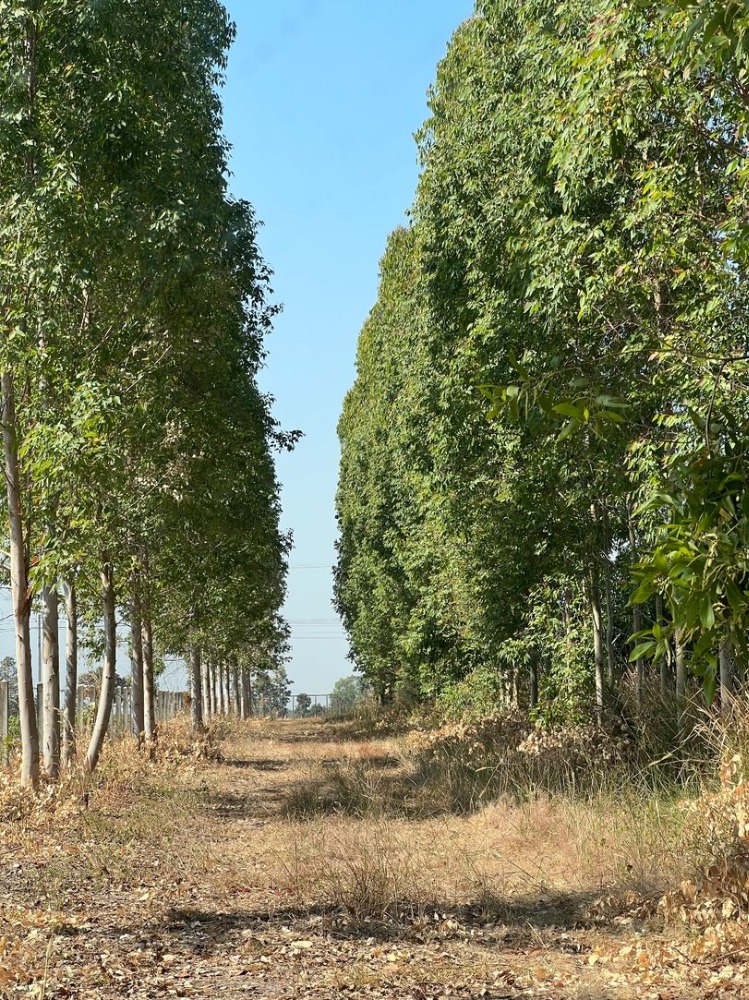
(300, 706)
(168, 705)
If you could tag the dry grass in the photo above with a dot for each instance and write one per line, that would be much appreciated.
(313, 848)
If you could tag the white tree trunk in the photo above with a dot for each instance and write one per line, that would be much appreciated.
(109, 667)
(595, 610)
(149, 690)
(20, 596)
(71, 674)
(227, 693)
(214, 698)
(222, 706)
(51, 680)
(237, 694)
(137, 722)
(205, 687)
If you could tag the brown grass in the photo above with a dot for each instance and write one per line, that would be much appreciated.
(309, 853)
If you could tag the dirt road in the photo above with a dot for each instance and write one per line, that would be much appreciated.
(299, 865)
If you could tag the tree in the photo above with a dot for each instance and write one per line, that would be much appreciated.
(271, 690)
(576, 255)
(347, 693)
(134, 302)
(303, 704)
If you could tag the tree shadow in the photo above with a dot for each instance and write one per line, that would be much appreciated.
(334, 730)
(254, 764)
(492, 922)
(258, 804)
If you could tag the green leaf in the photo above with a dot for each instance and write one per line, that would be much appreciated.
(644, 649)
(567, 409)
(707, 613)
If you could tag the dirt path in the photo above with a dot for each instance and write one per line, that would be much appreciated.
(291, 869)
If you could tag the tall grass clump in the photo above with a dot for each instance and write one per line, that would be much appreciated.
(463, 766)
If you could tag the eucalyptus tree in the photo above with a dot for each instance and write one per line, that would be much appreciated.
(659, 131)
(217, 547)
(504, 279)
(121, 263)
(543, 259)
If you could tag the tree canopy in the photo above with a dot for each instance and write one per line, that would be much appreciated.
(543, 481)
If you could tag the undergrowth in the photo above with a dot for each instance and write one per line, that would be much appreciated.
(490, 815)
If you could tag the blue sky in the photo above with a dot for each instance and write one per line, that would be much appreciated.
(321, 103)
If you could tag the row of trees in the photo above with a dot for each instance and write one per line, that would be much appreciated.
(575, 271)
(133, 307)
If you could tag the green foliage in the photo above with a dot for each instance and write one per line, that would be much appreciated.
(577, 257)
(347, 694)
(134, 303)
(271, 690)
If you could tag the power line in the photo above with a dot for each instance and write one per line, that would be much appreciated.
(325, 638)
(313, 621)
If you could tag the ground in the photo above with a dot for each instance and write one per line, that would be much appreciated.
(297, 865)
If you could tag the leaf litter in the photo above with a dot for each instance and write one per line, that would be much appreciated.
(185, 876)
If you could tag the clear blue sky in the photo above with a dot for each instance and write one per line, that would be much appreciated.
(321, 103)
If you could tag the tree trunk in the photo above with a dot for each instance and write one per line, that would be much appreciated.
(205, 687)
(514, 687)
(228, 697)
(726, 677)
(149, 690)
(665, 673)
(137, 721)
(109, 667)
(246, 694)
(19, 587)
(51, 681)
(220, 688)
(213, 698)
(639, 662)
(636, 623)
(595, 610)
(609, 598)
(608, 594)
(237, 694)
(196, 690)
(71, 674)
